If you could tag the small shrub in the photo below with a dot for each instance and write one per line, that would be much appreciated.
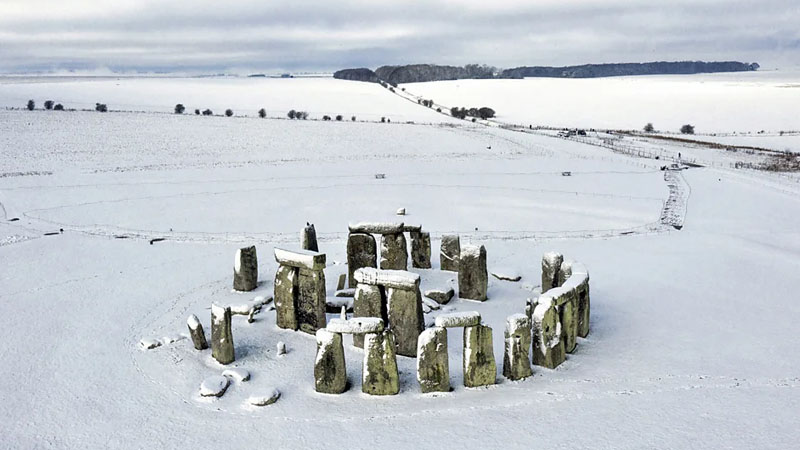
(58, 107)
(197, 112)
(438, 109)
(649, 128)
(485, 112)
(208, 112)
(31, 105)
(339, 118)
(687, 129)
(474, 119)
(302, 115)
(48, 105)
(179, 108)
(228, 112)
(291, 114)
(262, 113)
(353, 118)
(100, 107)
(326, 117)
(383, 119)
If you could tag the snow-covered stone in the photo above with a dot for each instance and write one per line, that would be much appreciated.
(516, 358)
(349, 292)
(479, 365)
(311, 298)
(245, 269)
(308, 238)
(458, 319)
(362, 251)
(394, 252)
(405, 318)
(280, 347)
(214, 386)
(368, 302)
(272, 395)
(379, 373)
(548, 347)
(221, 337)
(197, 333)
(449, 253)
(551, 265)
(172, 338)
(242, 309)
(473, 279)
(330, 375)
(376, 227)
(433, 370)
(506, 275)
(286, 280)
(430, 304)
(401, 211)
(237, 374)
(440, 296)
(401, 279)
(420, 250)
(149, 343)
(302, 259)
(356, 325)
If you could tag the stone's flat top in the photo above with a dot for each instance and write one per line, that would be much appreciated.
(458, 319)
(272, 395)
(412, 227)
(578, 268)
(237, 374)
(517, 321)
(506, 274)
(193, 322)
(325, 337)
(401, 279)
(376, 227)
(214, 386)
(544, 304)
(427, 336)
(551, 258)
(218, 312)
(356, 325)
(304, 259)
(242, 309)
(472, 250)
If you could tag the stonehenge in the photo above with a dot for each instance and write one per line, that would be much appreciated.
(433, 370)
(394, 253)
(221, 336)
(300, 290)
(308, 238)
(362, 249)
(330, 370)
(245, 269)
(361, 252)
(450, 253)
(478, 360)
(479, 366)
(473, 278)
(379, 375)
(517, 358)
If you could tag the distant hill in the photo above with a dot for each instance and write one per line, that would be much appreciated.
(417, 73)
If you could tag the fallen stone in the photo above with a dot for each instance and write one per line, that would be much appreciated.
(263, 400)
(440, 296)
(196, 332)
(369, 302)
(376, 227)
(405, 318)
(479, 366)
(172, 338)
(335, 304)
(473, 279)
(551, 264)
(330, 376)
(458, 319)
(149, 344)
(214, 386)
(342, 280)
(280, 347)
(399, 279)
(506, 275)
(302, 259)
(286, 293)
(311, 300)
(308, 238)
(356, 325)
(433, 370)
(401, 212)
(221, 337)
(379, 373)
(420, 250)
(548, 348)
(245, 269)
(394, 252)
(450, 253)
(517, 357)
(362, 251)
(237, 374)
(345, 293)
(430, 304)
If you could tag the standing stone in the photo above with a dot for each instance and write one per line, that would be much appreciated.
(245, 269)
(311, 300)
(421, 250)
(197, 333)
(473, 278)
(368, 302)
(479, 366)
(394, 251)
(433, 370)
(551, 266)
(517, 357)
(568, 316)
(221, 336)
(379, 374)
(450, 253)
(308, 238)
(330, 371)
(548, 348)
(361, 252)
(564, 271)
(341, 283)
(286, 292)
(406, 318)
(582, 292)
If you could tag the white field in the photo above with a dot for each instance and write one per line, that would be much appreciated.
(693, 331)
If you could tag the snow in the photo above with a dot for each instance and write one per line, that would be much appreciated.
(214, 386)
(272, 395)
(470, 250)
(193, 322)
(237, 374)
(400, 279)
(300, 258)
(149, 343)
(356, 325)
(516, 321)
(337, 302)
(432, 305)
(243, 309)
(458, 319)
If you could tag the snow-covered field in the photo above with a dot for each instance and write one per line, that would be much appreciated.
(693, 331)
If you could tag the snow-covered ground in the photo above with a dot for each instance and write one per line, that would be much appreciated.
(693, 331)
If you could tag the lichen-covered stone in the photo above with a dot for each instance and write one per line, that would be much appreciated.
(433, 370)
(361, 252)
(197, 333)
(449, 253)
(311, 300)
(245, 269)
(301, 259)
(369, 302)
(376, 227)
(420, 250)
(308, 238)
(221, 336)
(564, 271)
(568, 316)
(394, 252)
(551, 266)
(517, 356)
(480, 368)
(473, 277)
(548, 347)
(340, 285)
(401, 279)
(286, 293)
(582, 294)
(379, 374)
(406, 318)
(440, 296)
(330, 371)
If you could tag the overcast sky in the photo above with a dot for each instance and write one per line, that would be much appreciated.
(209, 36)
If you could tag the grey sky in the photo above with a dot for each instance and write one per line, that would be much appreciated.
(258, 35)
